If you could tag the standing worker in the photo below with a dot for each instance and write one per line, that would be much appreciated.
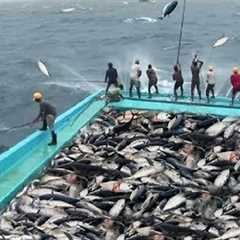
(111, 76)
(47, 114)
(135, 78)
(152, 80)
(211, 81)
(195, 68)
(235, 81)
(178, 78)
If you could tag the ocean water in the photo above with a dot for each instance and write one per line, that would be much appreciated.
(77, 44)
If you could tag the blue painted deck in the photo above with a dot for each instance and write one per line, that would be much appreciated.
(26, 160)
(220, 106)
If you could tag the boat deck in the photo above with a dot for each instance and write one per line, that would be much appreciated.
(220, 106)
(27, 159)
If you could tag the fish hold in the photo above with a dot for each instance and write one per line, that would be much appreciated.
(174, 123)
(117, 208)
(174, 202)
(216, 129)
(222, 178)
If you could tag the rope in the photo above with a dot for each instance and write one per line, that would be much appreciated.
(181, 31)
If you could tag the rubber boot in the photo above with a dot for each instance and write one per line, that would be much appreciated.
(54, 139)
(44, 126)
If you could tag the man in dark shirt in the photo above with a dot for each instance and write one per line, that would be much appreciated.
(111, 76)
(195, 68)
(47, 114)
(178, 78)
(152, 80)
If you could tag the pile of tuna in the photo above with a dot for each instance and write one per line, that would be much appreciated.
(135, 176)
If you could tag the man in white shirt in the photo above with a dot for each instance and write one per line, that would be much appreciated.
(135, 78)
(211, 81)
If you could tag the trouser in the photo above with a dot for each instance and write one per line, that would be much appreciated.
(234, 92)
(195, 83)
(48, 121)
(150, 85)
(210, 88)
(137, 85)
(177, 85)
(109, 83)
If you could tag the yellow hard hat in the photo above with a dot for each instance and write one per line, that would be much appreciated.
(37, 96)
(235, 69)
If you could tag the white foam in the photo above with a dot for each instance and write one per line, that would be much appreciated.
(146, 19)
(140, 19)
(67, 10)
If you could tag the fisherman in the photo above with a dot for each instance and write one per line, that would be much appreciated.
(111, 76)
(211, 81)
(178, 78)
(152, 80)
(47, 114)
(135, 78)
(195, 68)
(115, 94)
(235, 81)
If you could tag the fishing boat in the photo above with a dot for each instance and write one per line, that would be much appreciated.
(26, 160)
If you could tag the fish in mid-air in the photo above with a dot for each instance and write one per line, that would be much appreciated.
(43, 68)
(221, 41)
(168, 9)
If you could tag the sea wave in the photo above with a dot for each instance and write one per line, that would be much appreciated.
(141, 19)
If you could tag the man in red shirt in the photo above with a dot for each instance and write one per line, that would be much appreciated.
(235, 81)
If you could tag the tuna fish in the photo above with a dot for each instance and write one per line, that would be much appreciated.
(168, 9)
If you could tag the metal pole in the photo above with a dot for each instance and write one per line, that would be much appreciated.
(181, 31)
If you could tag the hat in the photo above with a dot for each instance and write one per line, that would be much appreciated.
(210, 68)
(37, 96)
(235, 69)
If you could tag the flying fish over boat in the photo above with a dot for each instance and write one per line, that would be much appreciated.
(168, 9)
(220, 42)
(43, 68)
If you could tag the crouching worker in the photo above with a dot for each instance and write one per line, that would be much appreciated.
(115, 94)
(47, 114)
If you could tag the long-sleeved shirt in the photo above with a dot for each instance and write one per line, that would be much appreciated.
(111, 75)
(211, 79)
(235, 80)
(46, 109)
